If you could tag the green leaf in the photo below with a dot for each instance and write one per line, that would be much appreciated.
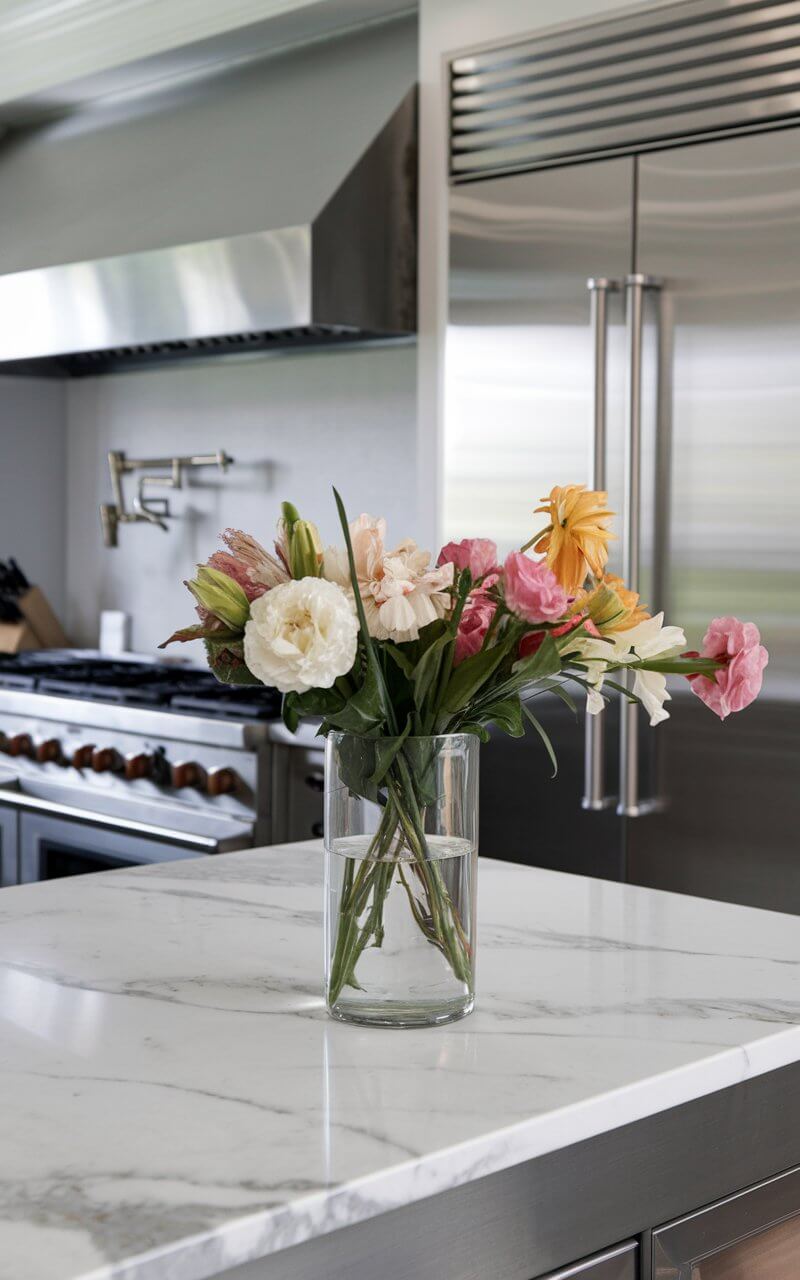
(315, 702)
(561, 693)
(201, 631)
(546, 661)
(399, 658)
(506, 714)
(226, 660)
(363, 713)
(470, 675)
(544, 737)
(386, 750)
(427, 671)
(677, 666)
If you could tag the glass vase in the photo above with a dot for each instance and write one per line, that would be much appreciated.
(401, 844)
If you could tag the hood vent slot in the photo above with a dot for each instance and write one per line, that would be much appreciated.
(625, 85)
(89, 364)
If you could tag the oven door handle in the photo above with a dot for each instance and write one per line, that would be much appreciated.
(241, 834)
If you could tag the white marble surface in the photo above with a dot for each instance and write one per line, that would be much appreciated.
(175, 1099)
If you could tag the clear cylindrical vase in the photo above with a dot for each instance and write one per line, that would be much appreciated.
(401, 845)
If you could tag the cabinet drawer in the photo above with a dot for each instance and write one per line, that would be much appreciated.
(753, 1235)
(619, 1263)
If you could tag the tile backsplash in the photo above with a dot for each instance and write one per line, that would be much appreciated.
(295, 425)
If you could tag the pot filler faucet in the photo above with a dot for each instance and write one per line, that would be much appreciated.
(151, 509)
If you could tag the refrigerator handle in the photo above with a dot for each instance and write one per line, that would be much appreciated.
(594, 788)
(630, 804)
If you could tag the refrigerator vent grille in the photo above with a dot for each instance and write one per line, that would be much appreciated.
(695, 68)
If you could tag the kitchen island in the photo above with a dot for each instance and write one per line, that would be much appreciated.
(177, 1105)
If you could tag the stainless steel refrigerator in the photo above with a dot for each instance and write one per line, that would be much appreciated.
(634, 323)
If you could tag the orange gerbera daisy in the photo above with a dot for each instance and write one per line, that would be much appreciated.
(611, 605)
(575, 541)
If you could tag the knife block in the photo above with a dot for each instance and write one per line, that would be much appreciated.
(39, 628)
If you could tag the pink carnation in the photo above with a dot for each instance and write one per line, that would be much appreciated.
(532, 590)
(479, 555)
(738, 683)
(475, 622)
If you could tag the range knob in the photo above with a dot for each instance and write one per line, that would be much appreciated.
(138, 766)
(19, 744)
(82, 756)
(48, 752)
(105, 760)
(221, 782)
(186, 774)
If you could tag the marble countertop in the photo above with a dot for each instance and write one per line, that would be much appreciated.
(176, 1101)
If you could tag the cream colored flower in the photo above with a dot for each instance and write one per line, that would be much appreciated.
(400, 592)
(301, 635)
(647, 640)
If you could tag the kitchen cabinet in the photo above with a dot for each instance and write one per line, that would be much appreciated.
(754, 1235)
(613, 1264)
(9, 863)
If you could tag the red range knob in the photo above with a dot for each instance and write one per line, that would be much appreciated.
(82, 756)
(49, 751)
(221, 782)
(19, 744)
(138, 766)
(186, 774)
(105, 759)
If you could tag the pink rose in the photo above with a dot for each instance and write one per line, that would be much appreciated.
(475, 622)
(532, 590)
(479, 555)
(738, 683)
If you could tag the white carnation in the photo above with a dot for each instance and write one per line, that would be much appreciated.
(301, 635)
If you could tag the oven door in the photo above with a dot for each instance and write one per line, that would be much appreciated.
(52, 847)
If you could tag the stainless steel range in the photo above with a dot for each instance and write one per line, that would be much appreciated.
(107, 763)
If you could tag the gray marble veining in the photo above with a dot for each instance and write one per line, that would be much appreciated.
(176, 1101)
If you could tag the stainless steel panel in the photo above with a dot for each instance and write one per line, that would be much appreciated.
(246, 283)
(347, 273)
(753, 1235)
(613, 1264)
(520, 417)
(720, 223)
(519, 383)
(623, 84)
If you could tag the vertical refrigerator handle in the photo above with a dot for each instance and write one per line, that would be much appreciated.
(630, 804)
(594, 787)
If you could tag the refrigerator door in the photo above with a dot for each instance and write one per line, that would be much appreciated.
(719, 225)
(523, 398)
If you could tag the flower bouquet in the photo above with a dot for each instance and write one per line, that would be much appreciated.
(407, 665)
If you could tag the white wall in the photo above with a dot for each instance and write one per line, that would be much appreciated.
(448, 27)
(33, 454)
(295, 424)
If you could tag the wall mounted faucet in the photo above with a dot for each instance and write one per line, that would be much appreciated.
(151, 509)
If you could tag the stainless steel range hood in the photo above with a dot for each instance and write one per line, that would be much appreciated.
(347, 274)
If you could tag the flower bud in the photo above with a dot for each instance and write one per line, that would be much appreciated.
(220, 595)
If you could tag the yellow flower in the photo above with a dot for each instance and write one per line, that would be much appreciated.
(611, 606)
(576, 538)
